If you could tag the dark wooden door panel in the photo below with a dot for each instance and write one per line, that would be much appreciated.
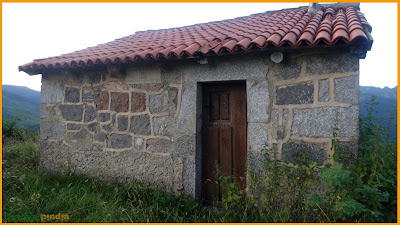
(225, 153)
(210, 160)
(240, 134)
(224, 135)
(224, 109)
(214, 109)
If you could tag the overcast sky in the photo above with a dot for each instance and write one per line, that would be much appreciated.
(39, 30)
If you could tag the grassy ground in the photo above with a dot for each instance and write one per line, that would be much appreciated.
(27, 191)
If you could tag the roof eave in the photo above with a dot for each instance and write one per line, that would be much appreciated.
(362, 49)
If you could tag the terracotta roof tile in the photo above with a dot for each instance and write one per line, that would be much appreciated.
(290, 27)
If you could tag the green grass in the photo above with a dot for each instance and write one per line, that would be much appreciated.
(27, 190)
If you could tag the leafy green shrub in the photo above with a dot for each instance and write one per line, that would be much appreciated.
(14, 130)
(232, 195)
(376, 165)
(279, 189)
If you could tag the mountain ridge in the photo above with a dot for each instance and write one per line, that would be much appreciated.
(23, 101)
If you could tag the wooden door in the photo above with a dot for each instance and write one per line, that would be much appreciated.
(224, 133)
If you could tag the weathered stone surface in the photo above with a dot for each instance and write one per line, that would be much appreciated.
(347, 152)
(188, 102)
(79, 141)
(139, 143)
(158, 103)
(102, 103)
(171, 75)
(332, 63)
(323, 92)
(280, 134)
(295, 94)
(122, 123)
(44, 113)
(290, 68)
(191, 175)
(275, 116)
(173, 94)
(257, 101)
(158, 145)
(93, 127)
(71, 112)
(163, 126)
(304, 153)
(347, 90)
(54, 156)
(140, 124)
(90, 114)
(347, 121)
(87, 96)
(119, 141)
(173, 99)
(119, 101)
(257, 136)
(186, 125)
(115, 72)
(100, 137)
(104, 117)
(317, 122)
(186, 145)
(51, 94)
(320, 122)
(97, 148)
(138, 102)
(107, 128)
(77, 77)
(51, 130)
(148, 87)
(95, 78)
(233, 68)
(81, 135)
(285, 116)
(255, 162)
(72, 95)
(130, 166)
(73, 126)
(113, 119)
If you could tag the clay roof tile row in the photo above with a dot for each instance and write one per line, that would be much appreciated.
(290, 27)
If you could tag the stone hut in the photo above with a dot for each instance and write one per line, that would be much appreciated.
(165, 106)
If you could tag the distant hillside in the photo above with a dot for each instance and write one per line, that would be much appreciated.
(386, 98)
(22, 101)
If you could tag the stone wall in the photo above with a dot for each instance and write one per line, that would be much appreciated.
(314, 97)
(92, 122)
